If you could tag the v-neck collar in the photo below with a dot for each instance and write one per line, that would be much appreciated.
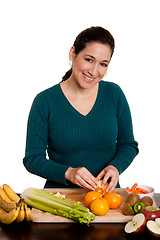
(72, 108)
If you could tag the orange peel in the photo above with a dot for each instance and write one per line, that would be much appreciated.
(101, 189)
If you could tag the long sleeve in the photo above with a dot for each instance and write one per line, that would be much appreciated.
(127, 147)
(36, 160)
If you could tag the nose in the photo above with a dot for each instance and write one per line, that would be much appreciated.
(93, 70)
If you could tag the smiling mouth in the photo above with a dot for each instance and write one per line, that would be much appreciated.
(88, 78)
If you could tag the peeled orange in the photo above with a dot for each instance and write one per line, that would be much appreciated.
(101, 189)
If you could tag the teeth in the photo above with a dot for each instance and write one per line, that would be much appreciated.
(88, 78)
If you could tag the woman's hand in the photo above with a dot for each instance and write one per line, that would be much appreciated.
(82, 177)
(112, 173)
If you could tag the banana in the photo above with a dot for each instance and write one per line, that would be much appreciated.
(28, 213)
(12, 207)
(10, 193)
(9, 217)
(21, 214)
(2, 210)
(7, 206)
(3, 195)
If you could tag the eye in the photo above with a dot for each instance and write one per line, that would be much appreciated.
(88, 59)
(104, 65)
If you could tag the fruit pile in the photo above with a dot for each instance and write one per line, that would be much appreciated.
(146, 216)
(149, 218)
(12, 207)
(100, 202)
(135, 205)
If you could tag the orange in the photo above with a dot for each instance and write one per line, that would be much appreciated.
(99, 206)
(90, 196)
(114, 200)
(101, 189)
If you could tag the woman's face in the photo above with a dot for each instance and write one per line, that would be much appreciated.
(90, 65)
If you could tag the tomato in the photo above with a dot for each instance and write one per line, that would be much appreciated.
(99, 206)
(114, 200)
(90, 196)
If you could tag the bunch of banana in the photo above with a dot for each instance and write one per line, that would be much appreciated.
(12, 207)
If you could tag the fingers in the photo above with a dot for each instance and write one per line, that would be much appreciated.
(82, 183)
(110, 172)
(86, 179)
(112, 185)
(82, 177)
(101, 174)
(113, 174)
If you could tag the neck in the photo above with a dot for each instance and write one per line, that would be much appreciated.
(76, 89)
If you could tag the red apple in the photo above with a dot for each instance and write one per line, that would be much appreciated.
(136, 225)
(154, 227)
(151, 213)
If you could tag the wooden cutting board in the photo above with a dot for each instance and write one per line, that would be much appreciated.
(77, 194)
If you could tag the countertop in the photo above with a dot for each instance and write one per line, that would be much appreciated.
(75, 231)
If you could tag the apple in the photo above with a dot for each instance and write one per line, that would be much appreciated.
(151, 213)
(136, 225)
(154, 227)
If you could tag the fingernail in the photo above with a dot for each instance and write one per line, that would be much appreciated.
(107, 190)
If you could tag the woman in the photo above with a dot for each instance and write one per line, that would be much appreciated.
(83, 122)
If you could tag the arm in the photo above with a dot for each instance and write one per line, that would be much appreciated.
(127, 147)
(35, 159)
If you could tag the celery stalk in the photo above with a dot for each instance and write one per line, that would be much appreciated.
(42, 193)
(45, 201)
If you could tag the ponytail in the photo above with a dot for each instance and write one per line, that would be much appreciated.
(67, 75)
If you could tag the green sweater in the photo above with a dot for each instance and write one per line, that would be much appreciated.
(59, 137)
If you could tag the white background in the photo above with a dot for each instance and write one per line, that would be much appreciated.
(35, 38)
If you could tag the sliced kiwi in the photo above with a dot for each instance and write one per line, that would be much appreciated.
(148, 201)
(138, 207)
(127, 209)
(133, 198)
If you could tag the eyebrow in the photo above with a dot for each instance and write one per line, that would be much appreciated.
(94, 58)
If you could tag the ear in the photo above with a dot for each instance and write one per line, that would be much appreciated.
(72, 53)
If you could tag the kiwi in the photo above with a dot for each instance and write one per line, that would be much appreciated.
(133, 198)
(148, 201)
(127, 209)
(138, 207)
